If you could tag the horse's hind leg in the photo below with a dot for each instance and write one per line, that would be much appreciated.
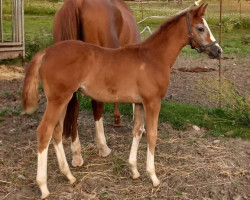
(117, 115)
(44, 134)
(137, 134)
(70, 130)
(57, 136)
(77, 159)
(98, 107)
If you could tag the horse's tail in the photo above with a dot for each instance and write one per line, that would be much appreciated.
(70, 121)
(30, 87)
(67, 26)
(67, 22)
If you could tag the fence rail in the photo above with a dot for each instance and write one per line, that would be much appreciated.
(14, 47)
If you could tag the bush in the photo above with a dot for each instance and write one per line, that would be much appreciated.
(238, 106)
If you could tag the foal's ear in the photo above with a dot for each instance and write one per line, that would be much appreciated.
(201, 10)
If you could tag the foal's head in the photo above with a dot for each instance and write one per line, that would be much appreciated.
(200, 36)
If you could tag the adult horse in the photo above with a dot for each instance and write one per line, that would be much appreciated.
(137, 74)
(107, 23)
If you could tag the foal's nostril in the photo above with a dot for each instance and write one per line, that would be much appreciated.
(219, 51)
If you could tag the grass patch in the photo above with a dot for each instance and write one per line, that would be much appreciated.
(217, 121)
(6, 111)
(118, 164)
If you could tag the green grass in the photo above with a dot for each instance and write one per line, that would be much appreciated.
(6, 111)
(217, 121)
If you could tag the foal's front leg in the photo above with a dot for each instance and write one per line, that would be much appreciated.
(152, 109)
(98, 107)
(137, 134)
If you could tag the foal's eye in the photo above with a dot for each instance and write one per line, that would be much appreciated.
(201, 29)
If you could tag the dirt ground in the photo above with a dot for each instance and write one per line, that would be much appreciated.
(190, 164)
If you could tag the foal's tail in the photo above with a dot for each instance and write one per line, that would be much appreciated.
(30, 87)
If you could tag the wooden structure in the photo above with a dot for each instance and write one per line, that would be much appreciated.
(13, 47)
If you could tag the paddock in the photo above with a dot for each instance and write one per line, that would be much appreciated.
(191, 164)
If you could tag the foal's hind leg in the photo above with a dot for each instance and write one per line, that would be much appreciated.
(137, 134)
(77, 159)
(70, 129)
(117, 115)
(57, 136)
(44, 134)
(98, 107)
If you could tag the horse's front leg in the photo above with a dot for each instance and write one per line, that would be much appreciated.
(137, 134)
(104, 150)
(152, 109)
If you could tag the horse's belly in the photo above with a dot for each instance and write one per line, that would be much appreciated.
(109, 95)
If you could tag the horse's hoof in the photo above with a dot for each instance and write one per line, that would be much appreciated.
(117, 122)
(156, 183)
(105, 152)
(45, 196)
(77, 161)
(136, 176)
(72, 180)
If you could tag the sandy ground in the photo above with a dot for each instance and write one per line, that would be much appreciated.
(190, 164)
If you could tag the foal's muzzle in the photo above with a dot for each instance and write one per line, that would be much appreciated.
(214, 51)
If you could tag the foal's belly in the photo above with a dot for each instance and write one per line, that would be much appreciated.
(111, 95)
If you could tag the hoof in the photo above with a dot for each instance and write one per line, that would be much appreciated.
(105, 152)
(45, 196)
(72, 181)
(77, 161)
(117, 122)
(156, 183)
(136, 176)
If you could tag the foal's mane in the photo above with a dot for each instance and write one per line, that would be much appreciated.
(167, 24)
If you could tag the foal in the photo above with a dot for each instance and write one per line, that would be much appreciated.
(137, 74)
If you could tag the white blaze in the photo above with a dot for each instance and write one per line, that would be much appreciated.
(210, 33)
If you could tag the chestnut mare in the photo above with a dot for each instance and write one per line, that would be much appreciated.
(107, 23)
(137, 74)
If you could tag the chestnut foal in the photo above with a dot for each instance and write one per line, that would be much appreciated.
(106, 23)
(137, 74)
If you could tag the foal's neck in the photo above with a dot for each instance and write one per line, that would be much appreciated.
(166, 44)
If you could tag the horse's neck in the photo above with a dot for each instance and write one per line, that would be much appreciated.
(166, 45)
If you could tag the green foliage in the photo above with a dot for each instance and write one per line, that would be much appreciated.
(36, 43)
(6, 111)
(118, 164)
(238, 106)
